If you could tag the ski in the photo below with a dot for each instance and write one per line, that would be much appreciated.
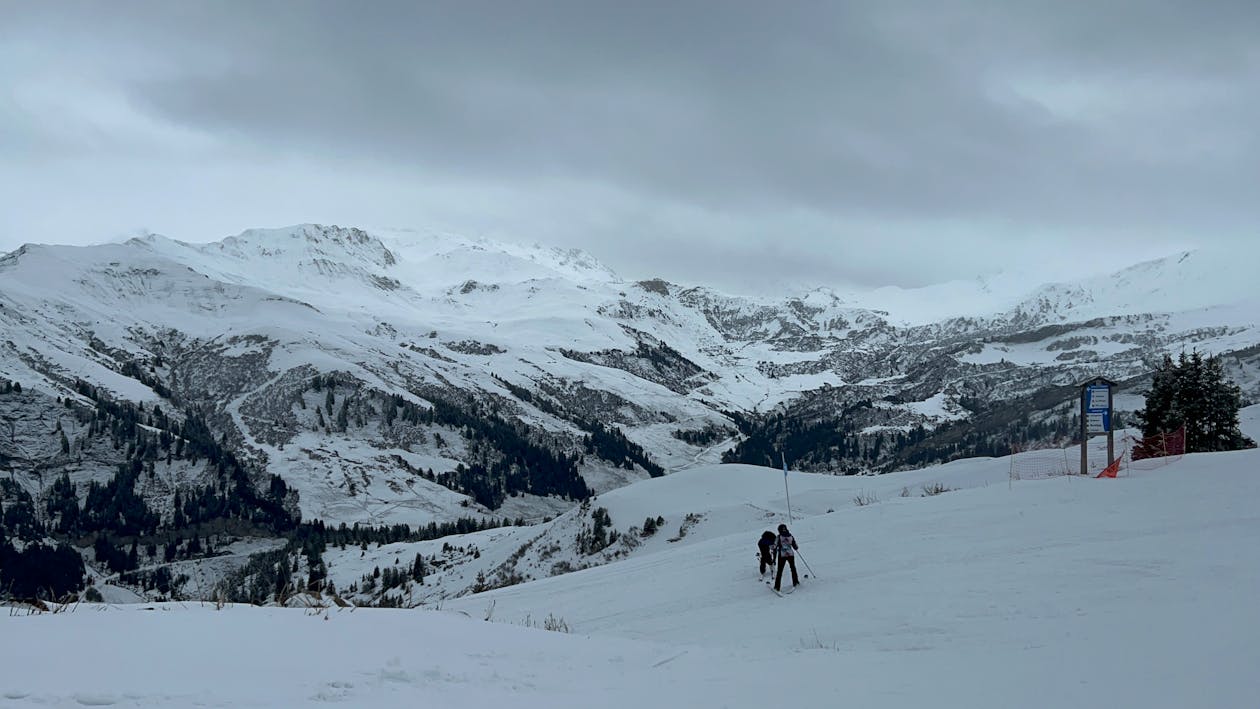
(777, 592)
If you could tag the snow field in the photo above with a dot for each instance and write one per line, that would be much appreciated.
(1136, 591)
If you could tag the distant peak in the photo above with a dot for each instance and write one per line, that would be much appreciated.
(655, 285)
(150, 239)
(309, 241)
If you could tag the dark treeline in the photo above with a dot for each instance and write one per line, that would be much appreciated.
(612, 445)
(115, 509)
(608, 443)
(539, 401)
(269, 576)
(837, 444)
(358, 534)
(708, 435)
(519, 465)
(111, 515)
(39, 571)
(769, 440)
(1192, 393)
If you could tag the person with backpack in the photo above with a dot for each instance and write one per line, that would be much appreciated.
(765, 547)
(786, 549)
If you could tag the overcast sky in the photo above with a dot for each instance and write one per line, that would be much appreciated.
(729, 143)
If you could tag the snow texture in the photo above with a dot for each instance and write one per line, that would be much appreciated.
(1136, 591)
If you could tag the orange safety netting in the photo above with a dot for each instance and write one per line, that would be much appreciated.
(1034, 461)
(1161, 445)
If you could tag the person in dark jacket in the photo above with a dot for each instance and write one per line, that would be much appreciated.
(786, 549)
(766, 547)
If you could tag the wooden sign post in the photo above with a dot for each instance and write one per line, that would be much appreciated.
(1096, 400)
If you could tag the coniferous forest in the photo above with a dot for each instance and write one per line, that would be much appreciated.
(132, 534)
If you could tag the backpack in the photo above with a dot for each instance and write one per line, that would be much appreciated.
(787, 545)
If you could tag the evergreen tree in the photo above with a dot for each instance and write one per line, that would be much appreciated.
(343, 419)
(649, 527)
(40, 571)
(1194, 393)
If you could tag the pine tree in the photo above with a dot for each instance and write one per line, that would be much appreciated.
(1194, 393)
(177, 518)
(343, 420)
(649, 527)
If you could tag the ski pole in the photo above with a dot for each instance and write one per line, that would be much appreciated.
(806, 563)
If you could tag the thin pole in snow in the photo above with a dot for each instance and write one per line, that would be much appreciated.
(786, 492)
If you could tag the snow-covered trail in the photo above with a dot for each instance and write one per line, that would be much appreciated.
(933, 572)
(1059, 592)
(1138, 591)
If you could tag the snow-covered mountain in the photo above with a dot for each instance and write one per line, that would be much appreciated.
(411, 378)
(1180, 282)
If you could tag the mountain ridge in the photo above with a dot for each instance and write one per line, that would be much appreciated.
(388, 249)
(389, 382)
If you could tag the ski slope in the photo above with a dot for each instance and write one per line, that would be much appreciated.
(1137, 591)
(695, 505)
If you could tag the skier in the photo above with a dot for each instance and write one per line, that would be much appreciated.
(787, 555)
(765, 546)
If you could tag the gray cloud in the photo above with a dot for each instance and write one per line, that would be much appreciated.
(861, 142)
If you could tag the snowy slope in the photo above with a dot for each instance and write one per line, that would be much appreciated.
(1191, 280)
(694, 506)
(1186, 281)
(238, 326)
(1137, 591)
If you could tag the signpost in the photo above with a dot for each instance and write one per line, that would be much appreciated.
(1096, 399)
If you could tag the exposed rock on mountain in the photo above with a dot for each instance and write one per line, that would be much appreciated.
(428, 379)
